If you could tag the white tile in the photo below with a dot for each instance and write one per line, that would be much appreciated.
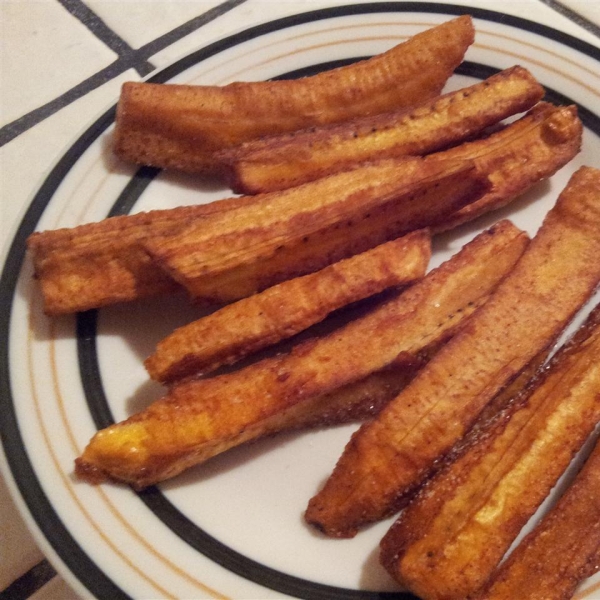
(45, 51)
(141, 21)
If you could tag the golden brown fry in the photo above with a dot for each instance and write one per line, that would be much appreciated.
(300, 230)
(449, 540)
(201, 418)
(388, 458)
(102, 263)
(527, 151)
(553, 559)
(253, 323)
(181, 127)
(284, 161)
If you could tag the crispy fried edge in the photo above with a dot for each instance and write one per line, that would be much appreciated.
(524, 153)
(561, 551)
(303, 229)
(97, 264)
(451, 537)
(178, 126)
(393, 334)
(263, 319)
(388, 458)
(288, 160)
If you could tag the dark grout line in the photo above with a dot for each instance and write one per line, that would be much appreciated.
(570, 14)
(29, 583)
(129, 59)
(29, 120)
(180, 32)
(103, 32)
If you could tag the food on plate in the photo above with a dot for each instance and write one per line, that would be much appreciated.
(561, 551)
(200, 418)
(228, 256)
(236, 330)
(182, 126)
(388, 458)
(454, 533)
(278, 162)
(525, 152)
(102, 263)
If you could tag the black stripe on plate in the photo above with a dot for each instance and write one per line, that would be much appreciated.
(72, 555)
(17, 457)
(574, 16)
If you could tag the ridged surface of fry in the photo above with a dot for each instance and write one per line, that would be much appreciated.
(180, 127)
(198, 419)
(561, 551)
(525, 152)
(447, 543)
(389, 457)
(253, 323)
(285, 161)
(300, 230)
(103, 263)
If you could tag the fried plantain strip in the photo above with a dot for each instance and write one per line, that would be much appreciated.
(300, 230)
(197, 419)
(525, 152)
(288, 160)
(390, 457)
(253, 323)
(102, 263)
(447, 543)
(561, 551)
(181, 126)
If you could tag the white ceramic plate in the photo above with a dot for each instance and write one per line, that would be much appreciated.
(233, 527)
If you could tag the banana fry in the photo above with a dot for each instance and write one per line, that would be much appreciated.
(447, 543)
(301, 230)
(181, 127)
(284, 161)
(263, 319)
(525, 152)
(389, 457)
(103, 263)
(200, 418)
(562, 550)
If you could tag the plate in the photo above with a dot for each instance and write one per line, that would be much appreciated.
(231, 528)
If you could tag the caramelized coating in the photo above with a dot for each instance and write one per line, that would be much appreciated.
(525, 152)
(103, 263)
(181, 127)
(390, 457)
(253, 323)
(561, 551)
(300, 230)
(447, 543)
(284, 161)
(200, 418)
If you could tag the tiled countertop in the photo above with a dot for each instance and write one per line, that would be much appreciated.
(62, 64)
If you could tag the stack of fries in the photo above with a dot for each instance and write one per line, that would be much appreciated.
(346, 177)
